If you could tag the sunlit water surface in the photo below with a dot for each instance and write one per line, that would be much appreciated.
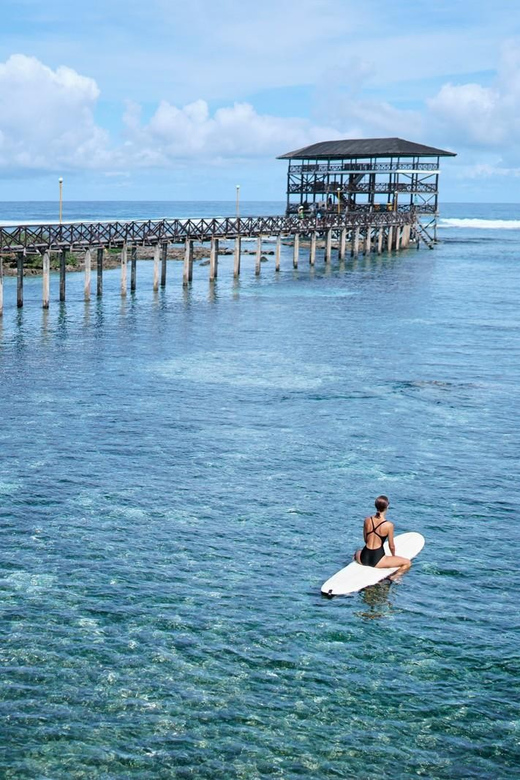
(181, 471)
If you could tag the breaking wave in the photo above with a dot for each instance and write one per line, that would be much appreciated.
(481, 224)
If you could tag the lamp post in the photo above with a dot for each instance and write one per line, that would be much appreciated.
(238, 200)
(61, 197)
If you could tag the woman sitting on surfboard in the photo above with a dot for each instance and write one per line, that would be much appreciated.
(376, 531)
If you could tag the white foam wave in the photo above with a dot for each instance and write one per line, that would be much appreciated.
(481, 224)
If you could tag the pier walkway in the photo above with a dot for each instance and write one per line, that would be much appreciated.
(365, 231)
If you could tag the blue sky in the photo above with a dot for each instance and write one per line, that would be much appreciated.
(170, 100)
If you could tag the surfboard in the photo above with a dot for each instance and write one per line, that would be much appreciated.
(355, 577)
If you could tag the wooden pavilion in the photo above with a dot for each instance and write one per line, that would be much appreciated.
(371, 174)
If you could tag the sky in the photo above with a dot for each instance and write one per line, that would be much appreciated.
(168, 100)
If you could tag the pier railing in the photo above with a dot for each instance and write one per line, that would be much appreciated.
(37, 238)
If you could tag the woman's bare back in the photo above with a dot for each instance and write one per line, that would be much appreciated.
(375, 531)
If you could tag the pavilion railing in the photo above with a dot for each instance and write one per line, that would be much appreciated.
(346, 166)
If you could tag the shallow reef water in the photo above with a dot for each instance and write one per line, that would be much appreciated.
(181, 471)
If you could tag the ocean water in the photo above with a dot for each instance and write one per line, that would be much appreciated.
(181, 471)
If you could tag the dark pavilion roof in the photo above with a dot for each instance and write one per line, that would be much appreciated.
(364, 147)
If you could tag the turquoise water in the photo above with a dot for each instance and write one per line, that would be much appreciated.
(180, 472)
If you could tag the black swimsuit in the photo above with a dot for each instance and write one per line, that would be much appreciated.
(370, 557)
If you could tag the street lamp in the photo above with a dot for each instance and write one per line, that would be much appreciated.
(61, 197)
(238, 200)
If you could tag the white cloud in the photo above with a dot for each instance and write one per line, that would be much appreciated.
(486, 118)
(487, 170)
(373, 118)
(47, 123)
(46, 117)
(236, 131)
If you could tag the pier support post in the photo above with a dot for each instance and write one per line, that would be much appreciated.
(1, 285)
(133, 269)
(258, 261)
(187, 273)
(99, 271)
(312, 253)
(397, 239)
(277, 252)
(328, 245)
(164, 260)
(405, 241)
(379, 240)
(63, 258)
(296, 250)
(238, 248)
(124, 260)
(156, 259)
(342, 243)
(88, 273)
(355, 243)
(368, 241)
(213, 259)
(46, 274)
(19, 280)
(390, 238)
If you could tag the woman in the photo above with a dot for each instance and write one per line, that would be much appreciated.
(376, 531)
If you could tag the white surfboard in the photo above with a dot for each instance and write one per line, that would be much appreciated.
(355, 577)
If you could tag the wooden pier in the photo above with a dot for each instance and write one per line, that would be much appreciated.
(363, 231)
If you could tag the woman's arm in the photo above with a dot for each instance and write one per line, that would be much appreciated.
(391, 543)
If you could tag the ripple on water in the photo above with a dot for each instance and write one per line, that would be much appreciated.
(181, 474)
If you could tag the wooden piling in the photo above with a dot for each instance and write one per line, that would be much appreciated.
(312, 252)
(397, 239)
(99, 271)
(187, 274)
(133, 270)
(368, 241)
(258, 258)
(164, 261)
(390, 238)
(355, 243)
(46, 274)
(379, 240)
(328, 245)
(124, 261)
(238, 248)
(277, 252)
(405, 241)
(63, 270)
(296, 250)
(156, 259)
(19, 280)
(213, 259)
(88, 273)
(342, 243)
